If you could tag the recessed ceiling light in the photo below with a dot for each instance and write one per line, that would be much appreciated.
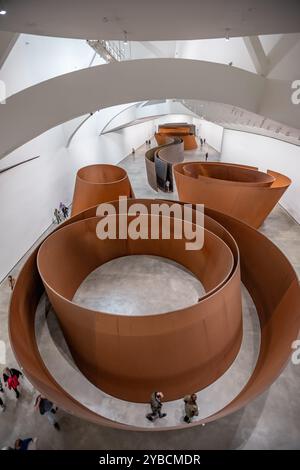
(3, 12)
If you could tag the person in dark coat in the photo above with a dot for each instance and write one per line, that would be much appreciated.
(64, 210)
(156, 406)
(26, 444)
(191, 407)
(1, 401)
(47, 408)
(11, 379)
(11, 282)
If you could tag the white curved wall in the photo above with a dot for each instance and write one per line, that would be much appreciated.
(212, 133)
(217, 50)
(30, 192)
(266, 153)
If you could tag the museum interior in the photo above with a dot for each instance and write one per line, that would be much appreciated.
(127, 129)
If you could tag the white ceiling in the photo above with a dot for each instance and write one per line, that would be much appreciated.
(147, 20)
(233, 117)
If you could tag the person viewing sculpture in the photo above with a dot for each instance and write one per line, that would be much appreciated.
(1, 401)
(11, 282)
(191, 407)
(64, 210)
(26, 444)
(156, 406)
(48, 409)
(57, 216)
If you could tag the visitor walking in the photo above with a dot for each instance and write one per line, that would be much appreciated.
(190, 407)
(26, 444)
(2, 405)
(156, 406)
(11, 282)
(11, 379)
(64, 210)
(206, 156)
(57, 216)
(47, 408)
(1, 401)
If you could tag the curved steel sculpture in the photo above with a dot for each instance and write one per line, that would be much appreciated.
(189, 140)
(116, 352)
(99, 183)
(186, 132)
(238, 190)
(266, 273)
(159, 161)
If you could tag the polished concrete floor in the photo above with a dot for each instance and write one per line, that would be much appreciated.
(137, 285)
(269, 422)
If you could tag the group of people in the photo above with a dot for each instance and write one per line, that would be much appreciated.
(11, 380)
(61, 214)
(190, 407)
(46, 408)
(203, 142)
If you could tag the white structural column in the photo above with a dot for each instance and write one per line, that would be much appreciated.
(7, 42)
(257, 54)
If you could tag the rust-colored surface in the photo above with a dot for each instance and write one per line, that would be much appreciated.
(116, 352)
(189, 140)
(243, 192)
(169, 153)
(183, 130)
(274, 288)
(266, 273)
(99, 183)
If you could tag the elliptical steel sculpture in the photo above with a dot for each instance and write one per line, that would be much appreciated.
(265, 271)
(238, 190)
(99, 183)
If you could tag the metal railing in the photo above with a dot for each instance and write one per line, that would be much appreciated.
(110, 51)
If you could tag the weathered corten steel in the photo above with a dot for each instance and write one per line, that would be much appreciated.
(243, 192)
(194, 346)
(99, 183)
(266, 273)
(184, 132)
(172, 151)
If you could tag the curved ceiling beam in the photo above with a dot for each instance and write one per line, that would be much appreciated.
(104, 131)
(77, 129)
(108, 19)
(36, 109)
(145, 111)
